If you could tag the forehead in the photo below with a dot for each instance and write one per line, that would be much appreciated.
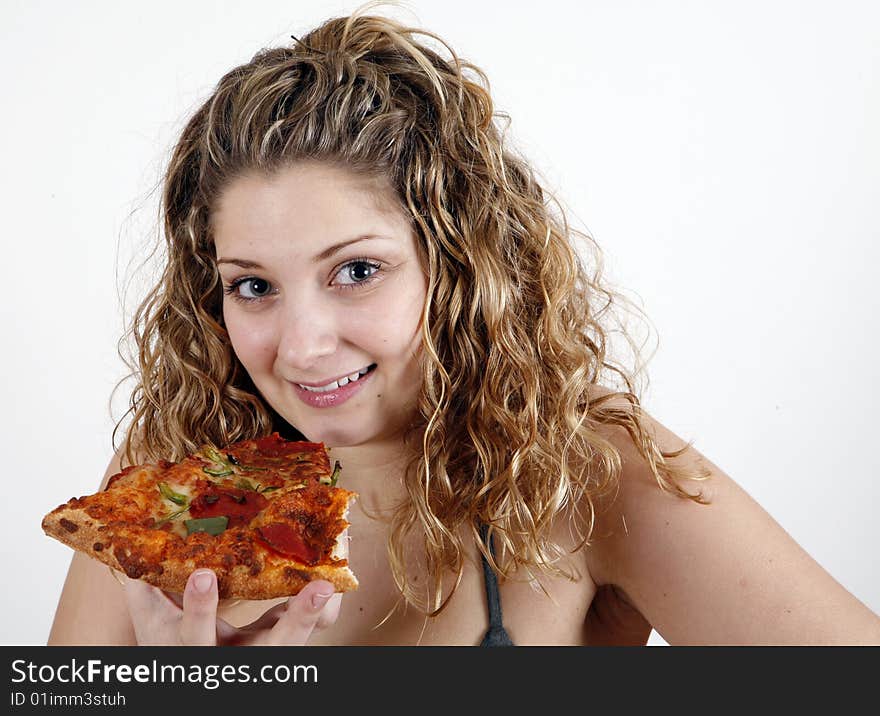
(308, 203)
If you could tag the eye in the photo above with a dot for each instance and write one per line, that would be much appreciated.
(248, 289)
(357, 272)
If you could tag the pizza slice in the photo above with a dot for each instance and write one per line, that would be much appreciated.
(264, 514)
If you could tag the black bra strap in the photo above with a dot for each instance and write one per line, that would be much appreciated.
(497, 634)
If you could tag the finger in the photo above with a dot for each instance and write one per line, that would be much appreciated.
(229, 635)
(198, 627)
(328, 615)
(153, 616)
(225, 631)
(267, 619)
(296, 624)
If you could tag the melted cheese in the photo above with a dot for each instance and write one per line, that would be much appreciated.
(176, 524)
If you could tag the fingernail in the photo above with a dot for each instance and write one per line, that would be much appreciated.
(203, 582)
(319, 599)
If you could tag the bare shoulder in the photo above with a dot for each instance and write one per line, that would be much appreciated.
(719, 573)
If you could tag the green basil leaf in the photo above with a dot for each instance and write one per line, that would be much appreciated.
(331, 481)
(171, 495)
(211, 525)
(172, 516)
(245, 484)
(214, 455)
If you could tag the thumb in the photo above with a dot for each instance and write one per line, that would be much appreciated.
(198, 626)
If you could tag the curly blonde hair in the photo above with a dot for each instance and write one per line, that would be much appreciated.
(513, 332)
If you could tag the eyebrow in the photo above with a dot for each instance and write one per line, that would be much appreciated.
(325, 254)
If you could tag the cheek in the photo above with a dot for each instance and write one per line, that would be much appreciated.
(251, 345)
(389, 328)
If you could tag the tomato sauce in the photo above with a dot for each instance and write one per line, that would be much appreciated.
(240, 506)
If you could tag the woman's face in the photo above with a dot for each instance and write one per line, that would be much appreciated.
(323, 296)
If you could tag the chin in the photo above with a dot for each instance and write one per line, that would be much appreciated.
(336, 436)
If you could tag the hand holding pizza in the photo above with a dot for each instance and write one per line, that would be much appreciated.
(159, 621)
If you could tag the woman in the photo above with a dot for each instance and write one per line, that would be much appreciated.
(355, 257)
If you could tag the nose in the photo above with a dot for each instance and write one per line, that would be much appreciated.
(307, 333)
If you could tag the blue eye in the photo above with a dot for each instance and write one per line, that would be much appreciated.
(248, 289)
(356, 273)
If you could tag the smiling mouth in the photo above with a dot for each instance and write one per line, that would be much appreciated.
(339, 382)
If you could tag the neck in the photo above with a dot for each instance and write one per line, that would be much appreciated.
(374, 470)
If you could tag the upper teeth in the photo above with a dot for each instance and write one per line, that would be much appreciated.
(336, 383)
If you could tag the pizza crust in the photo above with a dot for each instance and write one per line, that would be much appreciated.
(76, 529)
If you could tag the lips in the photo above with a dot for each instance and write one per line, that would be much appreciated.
(329, 397)
(337, 382)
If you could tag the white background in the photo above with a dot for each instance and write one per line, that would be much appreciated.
(725, 156)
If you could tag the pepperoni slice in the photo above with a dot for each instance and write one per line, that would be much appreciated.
(240, 506)
(285, 539)
(275, 446)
